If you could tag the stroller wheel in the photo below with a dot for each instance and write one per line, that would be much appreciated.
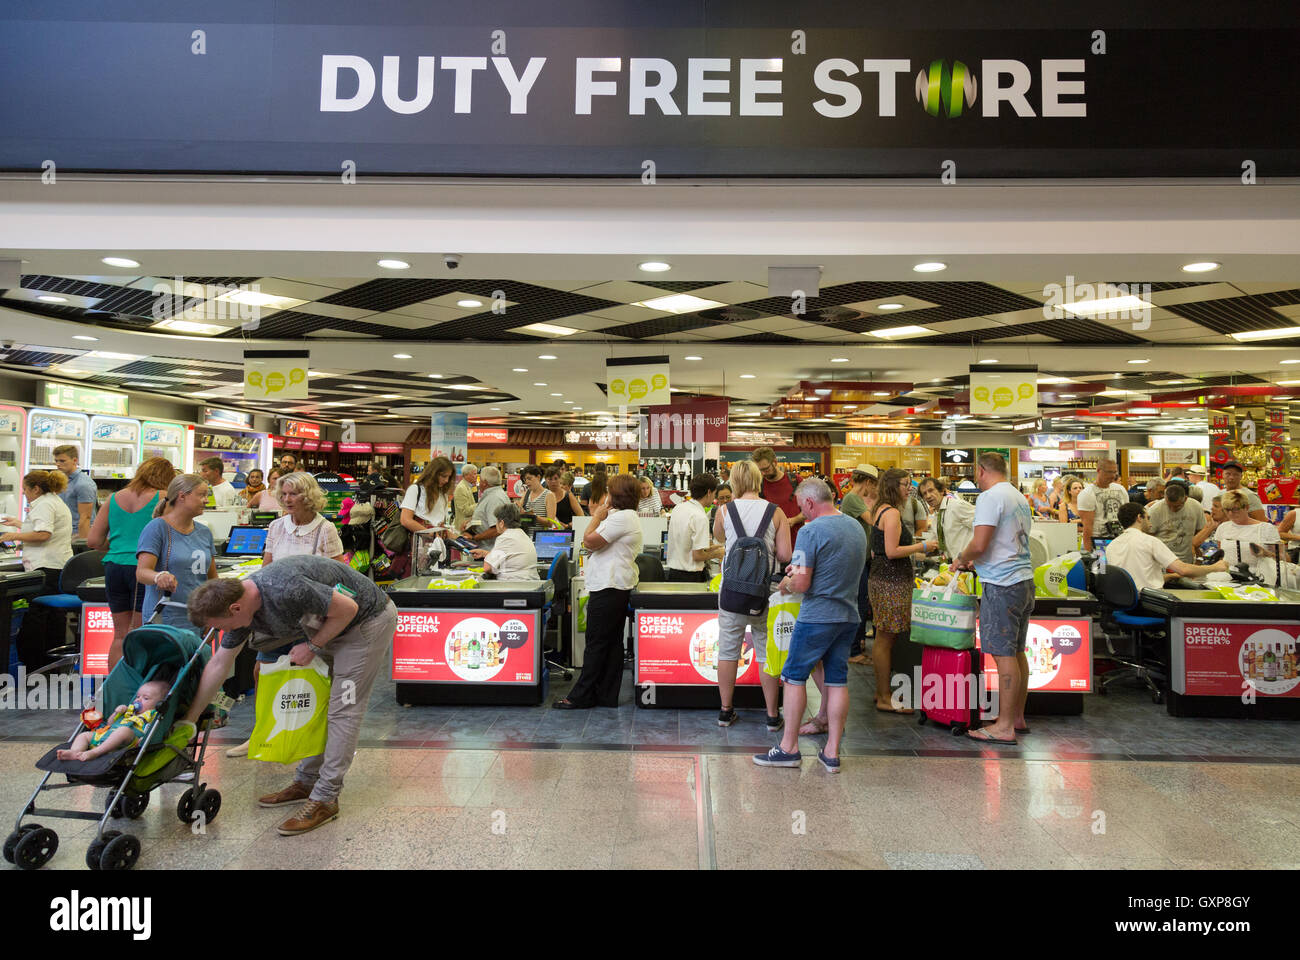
(11, 841)
(95, 851)
(185, 807)
(209, 804)
(120, 853)
(130, 806)
(36, 848)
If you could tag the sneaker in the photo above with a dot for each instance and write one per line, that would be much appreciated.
(775, 723)
(727, 717)
(239, 751)
(293, 793)
(832, 764)
(314, 813)
(776, 757)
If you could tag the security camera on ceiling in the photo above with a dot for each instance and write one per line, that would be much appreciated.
(452, 260)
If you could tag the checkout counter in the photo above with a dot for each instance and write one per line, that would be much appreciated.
(477, 646)
(1230, 657)
(675, 643)
(15, 584)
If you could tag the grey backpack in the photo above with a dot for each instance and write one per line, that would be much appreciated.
(747, 568)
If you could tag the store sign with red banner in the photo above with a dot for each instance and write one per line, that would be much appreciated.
(356, 447)
(327, 446)
(312, 445)
(1092, 445)
(292, 444)
(1213, 658)
(680, 648)
(487, 435)
(677, 425)
(301, 428)
(1059, 654)
(390, 448)
(466, 646)
(96, 638)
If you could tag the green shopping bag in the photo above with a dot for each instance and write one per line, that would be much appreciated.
(583, 596)
(782, 612)
(292, 711)
(943, 618)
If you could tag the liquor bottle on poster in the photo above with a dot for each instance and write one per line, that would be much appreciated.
(1270, 663)
(1249, 657)
(1290, 660)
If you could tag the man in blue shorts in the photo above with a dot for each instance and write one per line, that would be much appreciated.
(999, 555)
(826, 567)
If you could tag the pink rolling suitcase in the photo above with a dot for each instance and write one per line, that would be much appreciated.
(950, 685)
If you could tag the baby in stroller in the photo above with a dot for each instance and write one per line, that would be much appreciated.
(126, 725)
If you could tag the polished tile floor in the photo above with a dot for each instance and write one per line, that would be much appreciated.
(1122, 786)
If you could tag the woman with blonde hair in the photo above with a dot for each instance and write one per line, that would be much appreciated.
(117, 531)
(1038, 500)
(46, 537)
(175, 553)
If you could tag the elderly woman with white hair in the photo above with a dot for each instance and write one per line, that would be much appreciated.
(301, 531)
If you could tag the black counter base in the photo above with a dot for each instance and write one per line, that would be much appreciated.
(1054, 704)
(696, 698)
(1273, 708)
(457, 694)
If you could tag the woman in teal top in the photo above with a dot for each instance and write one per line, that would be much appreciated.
(117, 531)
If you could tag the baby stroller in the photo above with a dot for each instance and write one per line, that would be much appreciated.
(161, 756)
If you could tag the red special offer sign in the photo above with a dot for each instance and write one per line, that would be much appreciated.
(1226, 659)
(680, 648)
(465, 646)
(96, 637)
(1059, 654)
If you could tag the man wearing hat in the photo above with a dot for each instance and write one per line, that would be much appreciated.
(1232, 472)
(1196, 476)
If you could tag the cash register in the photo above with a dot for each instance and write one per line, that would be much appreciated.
(245, 542)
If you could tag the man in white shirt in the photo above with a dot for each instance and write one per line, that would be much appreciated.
(223, 494)
(1196, 477)
(1099, 503)
(1146, 558)
(954, 517)
(513, 556)
(690, 546)
(1176, 520)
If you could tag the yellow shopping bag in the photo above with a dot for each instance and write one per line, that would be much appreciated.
(292, 711)
(782, 612)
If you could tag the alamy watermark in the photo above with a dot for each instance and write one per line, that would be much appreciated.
(660, 431)
(42, 691)
(178, 303)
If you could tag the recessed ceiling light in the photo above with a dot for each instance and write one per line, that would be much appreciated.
(392, 264)
(1288, 383)
(746, 376)
(889, 306)
(191, 373)
(654, 266)
(882, 393)
(520, 369)
(1124, 305)
(568, 401)
(552, 329)
(389, 396)
(930, 266)
(839, 359)
(356, 386)
(545, 356)
(435, 376)
(255, 298)
(1201, 266)
(47, 298)
(189, 326)
(1140, 361)
(679, 303)
(120, 261)
(464, 386)
(888, 333)
(701, 358)
(541, 384)
(557, 394)
(1289, 361)
(469, 303)
(1270, 334)
(82, 336)
(494, 408)
(401, 356)
(1068, 396)
(822, 393)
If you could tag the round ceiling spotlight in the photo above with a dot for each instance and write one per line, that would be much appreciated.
(930, 266)
(120, 261)
(393, 264)
(654, 266)
(1201, 266)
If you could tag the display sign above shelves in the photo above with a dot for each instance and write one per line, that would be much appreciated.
(67, 396)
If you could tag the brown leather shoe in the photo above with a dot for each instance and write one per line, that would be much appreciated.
(293, 793)
(313, 814)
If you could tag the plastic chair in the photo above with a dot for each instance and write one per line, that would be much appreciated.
(1077, 577)
(558, 574)
(1120, 597)
(82, 567)
(650, 569)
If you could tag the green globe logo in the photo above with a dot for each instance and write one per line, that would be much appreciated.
(939, 87)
